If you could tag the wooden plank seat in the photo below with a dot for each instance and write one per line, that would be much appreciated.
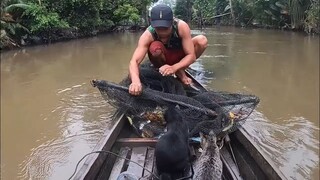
(119, 163)
(142, 155)
(140, 151)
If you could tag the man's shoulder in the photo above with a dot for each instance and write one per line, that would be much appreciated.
(182, 24)
(179, 21)
(183, 27)
(149, 31)
(146, 36)
(150, 28)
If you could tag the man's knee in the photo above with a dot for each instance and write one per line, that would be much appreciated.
(201, 41)
(156, 49)
(200, 44)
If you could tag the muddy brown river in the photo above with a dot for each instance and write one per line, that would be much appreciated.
(51, 116)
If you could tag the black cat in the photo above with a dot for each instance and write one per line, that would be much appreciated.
(172, 149)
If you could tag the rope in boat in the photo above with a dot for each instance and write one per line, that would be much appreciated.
(115, 154)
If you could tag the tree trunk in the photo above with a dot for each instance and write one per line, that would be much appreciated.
(232, 13)
(201, 20)
(145, 16)
(189, 7)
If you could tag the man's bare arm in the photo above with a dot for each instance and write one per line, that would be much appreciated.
(146, 38)
(188, 46)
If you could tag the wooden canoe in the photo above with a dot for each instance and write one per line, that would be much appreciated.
(242, 158)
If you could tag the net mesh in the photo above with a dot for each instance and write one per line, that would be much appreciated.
(203, 110)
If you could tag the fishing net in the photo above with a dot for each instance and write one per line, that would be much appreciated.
(203, 110)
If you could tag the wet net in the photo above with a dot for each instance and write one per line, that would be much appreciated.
(203, 110)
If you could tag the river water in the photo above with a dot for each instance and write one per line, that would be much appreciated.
(51, 116)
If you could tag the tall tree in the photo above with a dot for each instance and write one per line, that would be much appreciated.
(183, 10)
(204, 11)
(297, 9)
(232, 13)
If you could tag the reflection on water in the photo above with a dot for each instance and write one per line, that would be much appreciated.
(51, 116)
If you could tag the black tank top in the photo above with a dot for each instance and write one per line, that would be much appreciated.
(175, 41)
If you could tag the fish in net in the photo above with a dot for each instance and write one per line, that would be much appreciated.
(203, 111)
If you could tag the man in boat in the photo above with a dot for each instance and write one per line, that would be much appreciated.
(169, 45)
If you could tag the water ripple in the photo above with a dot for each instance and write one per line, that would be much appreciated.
(82, 118)
(292, 145)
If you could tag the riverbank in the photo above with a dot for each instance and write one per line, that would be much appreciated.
(58, 35)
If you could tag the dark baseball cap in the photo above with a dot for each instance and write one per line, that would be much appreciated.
(161, 16)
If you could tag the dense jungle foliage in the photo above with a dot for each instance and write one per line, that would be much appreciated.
(283, 14)
(40, 21)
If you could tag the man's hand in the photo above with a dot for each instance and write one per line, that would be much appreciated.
(167, 70)
(135, 89)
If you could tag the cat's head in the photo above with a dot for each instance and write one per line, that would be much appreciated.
(172, 114)
(208, 139)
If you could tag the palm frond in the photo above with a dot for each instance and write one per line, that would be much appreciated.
(297, 12)
(3, 34)
(11, 28)
(18, 25)
(12, 7)
(7, 17)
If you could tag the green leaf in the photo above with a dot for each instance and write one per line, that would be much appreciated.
(11, 7)
(227, 8)
(279, 4)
